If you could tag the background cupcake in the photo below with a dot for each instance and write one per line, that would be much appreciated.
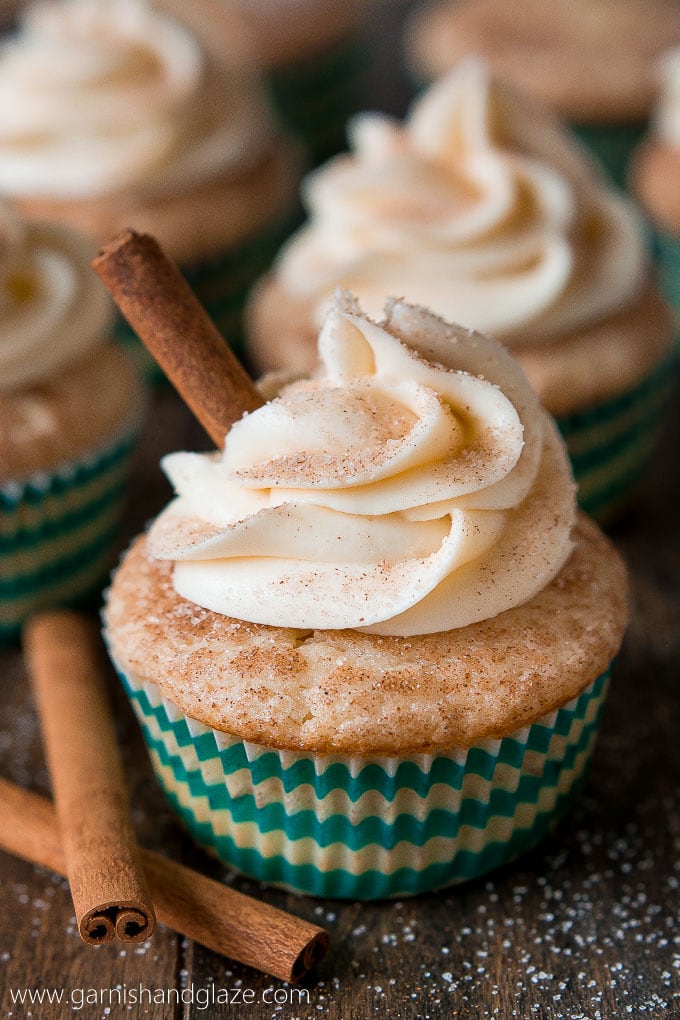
(368, 650)
(70, 405)
(314, 54)
(113, 115)
(591, 62)
(656, 177)
(480, 207)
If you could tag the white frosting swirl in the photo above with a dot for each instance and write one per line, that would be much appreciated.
(415, 485)
(667, 113)
(479, 207)
(98, 96)
(53, 308)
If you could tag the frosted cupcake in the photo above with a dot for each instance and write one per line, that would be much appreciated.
(369, 642)
(480, 207)
(313, 54)
(592, 61)
(113, 115)
(70, 405)
(656, 177)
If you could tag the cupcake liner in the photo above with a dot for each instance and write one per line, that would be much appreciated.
(612, 145)
(368, 827)
(221, 284)
(315, 97)
(610, 445)
(58, 531)
(667, 257)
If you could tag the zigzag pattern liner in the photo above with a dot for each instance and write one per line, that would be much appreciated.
(667, 254)
(367, 828)
(221, 284)
(612, 145)
(610, 445)
(57, 534)
(316, 98)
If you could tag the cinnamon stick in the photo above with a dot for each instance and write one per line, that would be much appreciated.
(162, 309)
(109, 890)
(226, 921)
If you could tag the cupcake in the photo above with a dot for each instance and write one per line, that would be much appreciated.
(313, 54)
(113, 115)
(592, 61)
(480, 207)
(70, 405)
(369, 642)
(656, 176)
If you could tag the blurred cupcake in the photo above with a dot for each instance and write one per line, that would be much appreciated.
(592, 61)
(656, 178)
(113, 115)
(483, 209)
(370, 641)
(70, 406)
(313, 54)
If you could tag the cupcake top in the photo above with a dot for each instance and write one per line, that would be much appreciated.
(479, 206)
(98, 98)
(416, 486)
(53, 310)
(591, 60)
(656, 163)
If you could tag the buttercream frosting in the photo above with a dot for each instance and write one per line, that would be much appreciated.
(53, 308)
(413, 485)
(97, 97)
(479, 206)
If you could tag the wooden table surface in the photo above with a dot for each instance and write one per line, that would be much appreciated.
(583, 928)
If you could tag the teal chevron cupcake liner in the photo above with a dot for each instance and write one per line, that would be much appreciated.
(368, 827)
(612, 145)
(316, 97)
(222, 284)
(610, 445)
(58, 533)
(667, 257)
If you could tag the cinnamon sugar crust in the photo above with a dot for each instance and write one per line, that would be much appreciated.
(347, 692)
(81, 408)
(590, 60)
(569, 373)
(192, 224)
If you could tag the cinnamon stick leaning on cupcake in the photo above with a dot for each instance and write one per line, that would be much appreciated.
(370, 639)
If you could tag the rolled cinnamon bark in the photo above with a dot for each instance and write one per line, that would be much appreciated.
(218, 917)
(108, 886)
(165, 313)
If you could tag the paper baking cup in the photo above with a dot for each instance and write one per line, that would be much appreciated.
(610, 445)
(667, 257)
(316, 97)
(221, 284)
(58, 532)
(368, 827)
(612, 145)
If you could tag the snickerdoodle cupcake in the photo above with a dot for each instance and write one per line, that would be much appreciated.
(592, 61)
(116, 115)
(70, 407)
(481, 207)
(369, 642)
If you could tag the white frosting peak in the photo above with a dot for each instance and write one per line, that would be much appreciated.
(413, 485)
(53, 308)
(667, 114)
(97, 96)
(479, 206)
